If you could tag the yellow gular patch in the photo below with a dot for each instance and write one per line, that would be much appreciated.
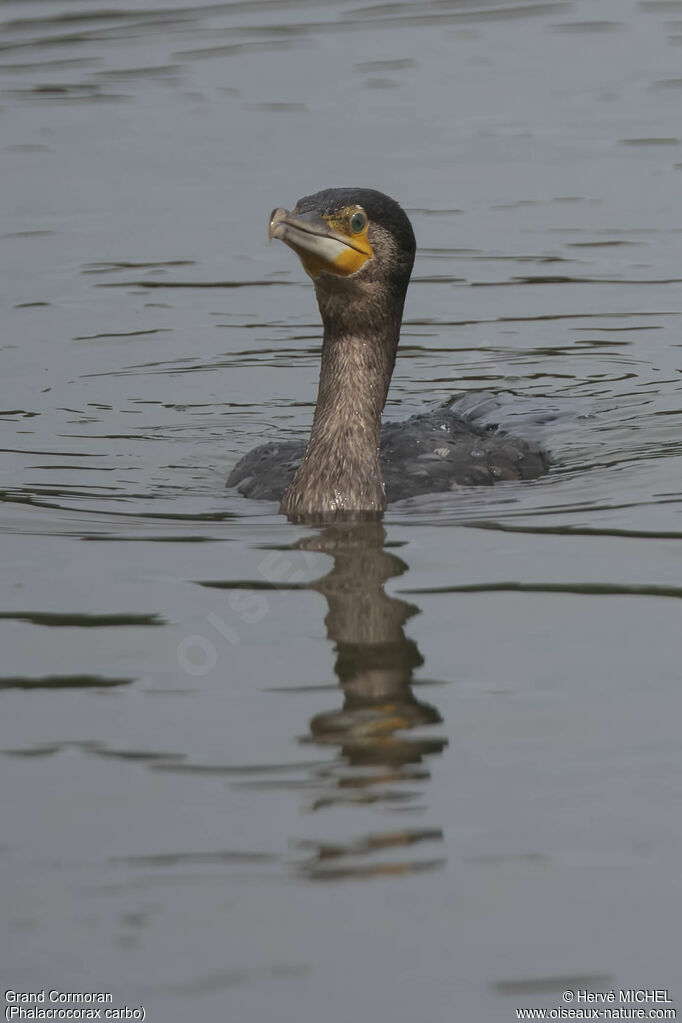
(359, 249)
(313, 265)
(350, 261)
(344, 262)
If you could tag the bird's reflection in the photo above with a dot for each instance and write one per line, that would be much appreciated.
(375, 662)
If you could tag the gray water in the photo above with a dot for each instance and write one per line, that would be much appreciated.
(252, 770)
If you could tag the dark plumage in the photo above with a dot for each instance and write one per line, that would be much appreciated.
(358, 246)
(426, 454)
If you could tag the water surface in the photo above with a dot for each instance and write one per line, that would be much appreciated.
(428, 769)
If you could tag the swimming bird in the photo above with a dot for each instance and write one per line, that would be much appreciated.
(358, 247)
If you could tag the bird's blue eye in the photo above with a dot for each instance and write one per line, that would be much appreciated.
(358, 222)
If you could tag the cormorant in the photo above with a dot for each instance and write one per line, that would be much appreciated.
(358, 247)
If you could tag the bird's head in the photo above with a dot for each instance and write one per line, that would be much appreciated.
(355, 243)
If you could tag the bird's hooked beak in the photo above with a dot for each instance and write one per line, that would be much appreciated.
(323, 244)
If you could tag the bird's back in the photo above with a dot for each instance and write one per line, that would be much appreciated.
(426, 454)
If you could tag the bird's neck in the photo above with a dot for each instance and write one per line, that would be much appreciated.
(340, 474)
